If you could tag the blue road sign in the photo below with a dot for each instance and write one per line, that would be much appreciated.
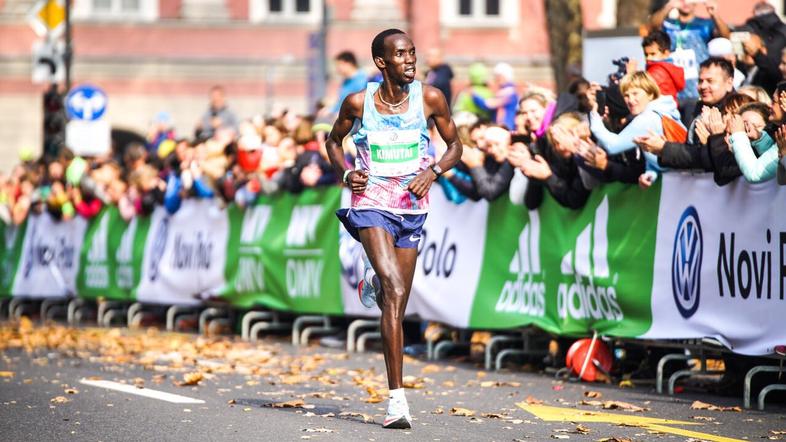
(86, 102)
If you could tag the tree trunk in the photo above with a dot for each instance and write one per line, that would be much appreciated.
(564, 23)
(632, 13)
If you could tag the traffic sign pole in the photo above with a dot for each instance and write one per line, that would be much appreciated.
(68, 46)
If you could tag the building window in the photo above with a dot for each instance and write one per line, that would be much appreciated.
(479, 13)
(125, 10)
(285, 11)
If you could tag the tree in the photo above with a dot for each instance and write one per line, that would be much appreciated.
(564, 21)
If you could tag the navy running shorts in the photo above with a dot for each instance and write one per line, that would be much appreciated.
(406, 230)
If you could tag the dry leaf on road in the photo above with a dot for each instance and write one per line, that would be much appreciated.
(6, 374)
(190, 379)
(619, 405)
(365, 417)
(295, 403)
(533, 401)
(592, 394)
(458, 411)
(699, 405)
(59, 400)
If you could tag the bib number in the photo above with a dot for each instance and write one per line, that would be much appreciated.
(686, 59)
(394, 153)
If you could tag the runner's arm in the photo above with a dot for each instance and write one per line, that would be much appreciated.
(445, 126)
(350, 109)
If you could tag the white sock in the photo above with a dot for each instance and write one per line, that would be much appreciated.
(398, 395)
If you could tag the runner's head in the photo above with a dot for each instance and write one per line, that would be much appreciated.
(394, 55)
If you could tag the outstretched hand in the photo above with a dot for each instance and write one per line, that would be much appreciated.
(652, 143)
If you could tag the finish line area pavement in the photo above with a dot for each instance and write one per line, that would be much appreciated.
(59, 383)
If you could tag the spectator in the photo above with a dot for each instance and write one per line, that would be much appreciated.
(505, 98)
(478, 80)
(648, 109)
(555, 168)
(537, 113)
(723, 48)
(657, 51)
(715, 87)
(757, 93)
(764, 46)
(689, 37)
(488, 166)
(353, 78)
(217, 116)
(439, 74)
(161, 129)
(780, 138)
(754, 149)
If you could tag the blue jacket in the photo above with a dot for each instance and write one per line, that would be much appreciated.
(649, 119)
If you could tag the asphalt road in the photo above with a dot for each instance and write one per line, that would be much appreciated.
(43, 397)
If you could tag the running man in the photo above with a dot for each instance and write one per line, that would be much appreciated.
(390, 185)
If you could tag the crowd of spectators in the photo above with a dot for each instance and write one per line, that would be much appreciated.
(710, 98)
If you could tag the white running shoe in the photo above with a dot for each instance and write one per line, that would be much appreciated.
(398, 416)
(368, 288)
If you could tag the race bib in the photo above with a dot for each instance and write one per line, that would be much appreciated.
(686, 59)
(394, 152)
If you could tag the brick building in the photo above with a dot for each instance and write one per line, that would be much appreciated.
(154, 55)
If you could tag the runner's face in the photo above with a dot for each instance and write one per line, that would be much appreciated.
(400, 58)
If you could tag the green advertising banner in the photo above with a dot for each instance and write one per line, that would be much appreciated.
(11, 240)
(282, 253)
(111, 256)
(570, 271)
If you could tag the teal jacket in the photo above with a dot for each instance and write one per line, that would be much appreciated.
(755, 170)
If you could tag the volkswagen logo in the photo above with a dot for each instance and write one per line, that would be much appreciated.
(686, 263)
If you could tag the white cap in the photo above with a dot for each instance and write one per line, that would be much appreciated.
(504, 70)
(720, 47)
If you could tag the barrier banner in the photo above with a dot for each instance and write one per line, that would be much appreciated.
(11, 239)
(111, 259)
(283, 253)
(720, 263)
(683, 259)
(185, 254)
(49, 258)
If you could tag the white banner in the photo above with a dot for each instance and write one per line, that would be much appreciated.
(50, 257)
(449, 262)
(185, 254)
(720, 263)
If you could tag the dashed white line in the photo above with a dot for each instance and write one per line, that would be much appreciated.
(146, 392)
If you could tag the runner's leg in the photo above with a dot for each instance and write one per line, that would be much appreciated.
(395, 281)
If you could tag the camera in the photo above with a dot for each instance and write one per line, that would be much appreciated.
(622, 69)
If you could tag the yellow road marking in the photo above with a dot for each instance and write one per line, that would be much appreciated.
(559, 414)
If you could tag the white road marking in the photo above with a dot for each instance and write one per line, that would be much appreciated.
(146, 392)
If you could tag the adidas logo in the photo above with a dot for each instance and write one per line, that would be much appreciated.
(586, 297)
(526, 294)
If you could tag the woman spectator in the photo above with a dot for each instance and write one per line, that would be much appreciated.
(749, 140)
(554, 168)
(647, 108)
